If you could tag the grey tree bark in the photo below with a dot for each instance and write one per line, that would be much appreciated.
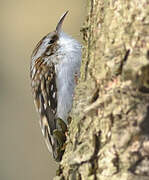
(108, 137)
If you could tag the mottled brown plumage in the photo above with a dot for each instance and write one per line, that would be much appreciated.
(55, 63)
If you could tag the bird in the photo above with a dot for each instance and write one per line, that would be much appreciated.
(55, 65)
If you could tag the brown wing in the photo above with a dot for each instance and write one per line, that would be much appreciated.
(43, 82)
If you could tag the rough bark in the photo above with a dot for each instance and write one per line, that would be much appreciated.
(108, 136)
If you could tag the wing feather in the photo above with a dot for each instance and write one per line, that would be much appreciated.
(43, 82)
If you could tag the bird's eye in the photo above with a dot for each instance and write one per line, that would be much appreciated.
(51, 41)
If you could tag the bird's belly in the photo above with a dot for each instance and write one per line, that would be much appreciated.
(65, 92)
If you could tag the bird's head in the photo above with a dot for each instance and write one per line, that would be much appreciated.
(49, 43)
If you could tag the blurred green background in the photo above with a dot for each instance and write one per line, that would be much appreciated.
(23, 153)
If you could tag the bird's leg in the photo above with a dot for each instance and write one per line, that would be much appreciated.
(69, 119)
(76, 77)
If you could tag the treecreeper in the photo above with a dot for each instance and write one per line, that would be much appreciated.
(55, 66)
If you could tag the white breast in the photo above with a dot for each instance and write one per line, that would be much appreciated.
(69, 55)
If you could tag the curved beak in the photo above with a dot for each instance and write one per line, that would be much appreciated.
(60, 23)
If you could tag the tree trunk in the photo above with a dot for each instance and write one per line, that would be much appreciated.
(108, 137)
